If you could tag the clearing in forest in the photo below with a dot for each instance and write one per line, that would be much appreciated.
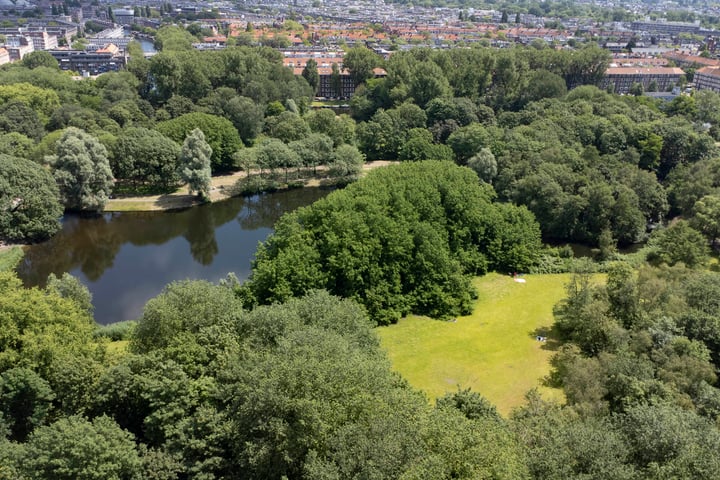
(495, 351)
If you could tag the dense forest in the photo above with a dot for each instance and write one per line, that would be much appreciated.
(283, 376)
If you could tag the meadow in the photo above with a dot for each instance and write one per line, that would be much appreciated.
(494, 351)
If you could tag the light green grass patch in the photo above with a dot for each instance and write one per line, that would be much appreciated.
(494, 351)
(10, 257)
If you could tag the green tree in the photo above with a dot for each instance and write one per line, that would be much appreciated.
(194, 164)
(76, 448)
(707, 217)
(678, 243)
(147, 157)
(219, 133)
(335, 80)
(173, 38)
(39, 58)
(484, 164)
(360, 62)
(310, 73)
(273, 154)
(82, 171)
(25, 401)
(16, 116)
(71, 288)
(30, 207)
(347, 162)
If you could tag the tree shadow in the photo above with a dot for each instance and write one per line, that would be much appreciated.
(549, 337)
(177, 202)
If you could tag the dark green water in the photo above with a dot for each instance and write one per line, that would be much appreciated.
(127, 258)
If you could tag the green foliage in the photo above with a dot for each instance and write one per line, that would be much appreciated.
(678, 243)
(39, 58)
(401, 240)
(25, 401)
(219, 133)
(116, 331)
(360, 62)
(145, 156)
(82, 171)
(347, 162)
(76, 448)
(71, 288)
(194, 163)
(30, 206)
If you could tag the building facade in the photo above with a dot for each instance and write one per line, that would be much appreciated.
(623, 78)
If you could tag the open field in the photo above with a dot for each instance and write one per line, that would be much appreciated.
(494, 351)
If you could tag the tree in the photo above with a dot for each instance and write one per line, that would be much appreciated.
(273, 154)
(484, 164)
(146, 157)
(76, 448)
(219, 133)
(30, 207)
(707, 217)
(310, 73)
(173, 38)
(82, 171)
(335, 80)
(39, 58)
(678, 243)
(347, 161)
(360, 62)
(71, 288)
(194, 164)
(25, 401)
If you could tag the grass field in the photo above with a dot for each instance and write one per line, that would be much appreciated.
(9, 257)
(494, 351)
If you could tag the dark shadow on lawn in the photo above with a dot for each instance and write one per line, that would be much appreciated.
(549, 338)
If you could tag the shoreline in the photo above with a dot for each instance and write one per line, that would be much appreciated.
(221, 189)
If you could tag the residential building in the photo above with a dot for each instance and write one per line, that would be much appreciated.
(623, 78)
(107, 59)
(4, 56)
(707, 78)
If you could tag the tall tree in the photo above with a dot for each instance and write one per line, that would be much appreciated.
(194, 163)
(310, 73)
(82, 171)
(360, 62)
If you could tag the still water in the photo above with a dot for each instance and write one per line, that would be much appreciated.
(127, 258)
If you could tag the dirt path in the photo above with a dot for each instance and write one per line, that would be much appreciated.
(221, 188)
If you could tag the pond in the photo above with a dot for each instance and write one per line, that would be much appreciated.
(127, 258)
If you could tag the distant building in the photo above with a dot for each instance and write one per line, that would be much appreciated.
(623, 78)
(124, 16)
(670, 28)
(41, 39)
(4, 56)
(108, 59)
(18, 46)
(707, 78)
(686, 60)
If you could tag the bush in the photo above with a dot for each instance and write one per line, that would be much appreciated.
(116, 331)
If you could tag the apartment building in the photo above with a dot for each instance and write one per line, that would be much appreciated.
(623, 78)
(708, 78)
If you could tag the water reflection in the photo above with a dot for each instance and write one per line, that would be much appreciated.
(127, 258)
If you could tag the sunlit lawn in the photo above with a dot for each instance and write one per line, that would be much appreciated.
(9, 257)
(494, 351)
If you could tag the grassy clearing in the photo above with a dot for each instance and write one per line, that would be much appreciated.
(494, 351)
(9, 257)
